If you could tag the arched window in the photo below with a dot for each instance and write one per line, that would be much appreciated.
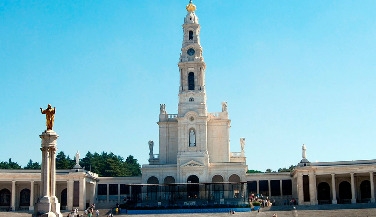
(235, 185)
(193, 188)
(217, 188)
(365, 189)
(63, 197)
(152, 188)
(323, 193)
(344, 192)
(190, 35)
(191, 81)
(25, 197)
(4, 197)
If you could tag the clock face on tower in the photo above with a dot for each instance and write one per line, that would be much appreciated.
(190, 51)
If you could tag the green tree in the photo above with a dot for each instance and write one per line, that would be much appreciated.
(254, 171)
(133, 166)
(64, 162)
(32, 165)
(9, 165)
(291, 168)
(110, 165)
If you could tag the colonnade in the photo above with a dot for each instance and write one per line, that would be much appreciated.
(313, 187)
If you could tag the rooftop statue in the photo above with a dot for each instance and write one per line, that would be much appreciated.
(50, 116)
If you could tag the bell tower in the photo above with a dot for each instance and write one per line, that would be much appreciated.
(192, 110)
(192, 96)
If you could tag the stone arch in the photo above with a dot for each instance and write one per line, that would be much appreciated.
(169, 180)
(152, 188)
(323, 192)
(64, 197)
(217, 178)
(25, 197)
(153, 180)
(344, 192)
(234, 178)
(365, 189)
(169, 188)
(234, 185)
(4, 197)
(217, 188)
(193, 188)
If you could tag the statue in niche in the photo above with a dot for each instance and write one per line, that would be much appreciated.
(50, 116)
(192, 138)
(242, 144)
(304, 149)
(224, 106)
(162, 108)
(151, 146)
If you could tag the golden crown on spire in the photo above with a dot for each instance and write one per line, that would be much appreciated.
(190, 7)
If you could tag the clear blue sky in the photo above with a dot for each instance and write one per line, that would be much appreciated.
(292, 72)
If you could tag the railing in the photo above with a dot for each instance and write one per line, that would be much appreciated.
(215, 114)
(172, 115)
(236, 154)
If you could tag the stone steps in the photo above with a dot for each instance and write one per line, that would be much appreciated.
(323, 207)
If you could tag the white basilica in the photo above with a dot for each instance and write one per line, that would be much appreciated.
(194, 166)
(194, 145)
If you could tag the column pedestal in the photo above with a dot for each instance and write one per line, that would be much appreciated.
(48, 205)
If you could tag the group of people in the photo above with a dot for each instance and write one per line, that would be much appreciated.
(90, 211)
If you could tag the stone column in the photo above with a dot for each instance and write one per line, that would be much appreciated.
(119, 193)
(353, 198)
(258, 186)
(372, 187)
(31, 207)
(334, 193)
(70, 194)
(269, 190)
(93, 197)
(82, 194)
(13, 200)
(280, 187)
(108, 194)
(130, 192)
(49, 204)
(312, 188)
(299, 188)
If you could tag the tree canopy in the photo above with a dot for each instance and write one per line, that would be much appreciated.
(9, 165)
(104, 164)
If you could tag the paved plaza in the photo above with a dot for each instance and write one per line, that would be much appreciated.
(299, 213)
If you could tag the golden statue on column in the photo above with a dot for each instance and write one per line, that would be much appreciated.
(48, 205)
(50, 116)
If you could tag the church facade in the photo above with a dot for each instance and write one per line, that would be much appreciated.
(195, 166)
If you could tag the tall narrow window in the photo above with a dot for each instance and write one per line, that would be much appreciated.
(190, 35)
(191, 81)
